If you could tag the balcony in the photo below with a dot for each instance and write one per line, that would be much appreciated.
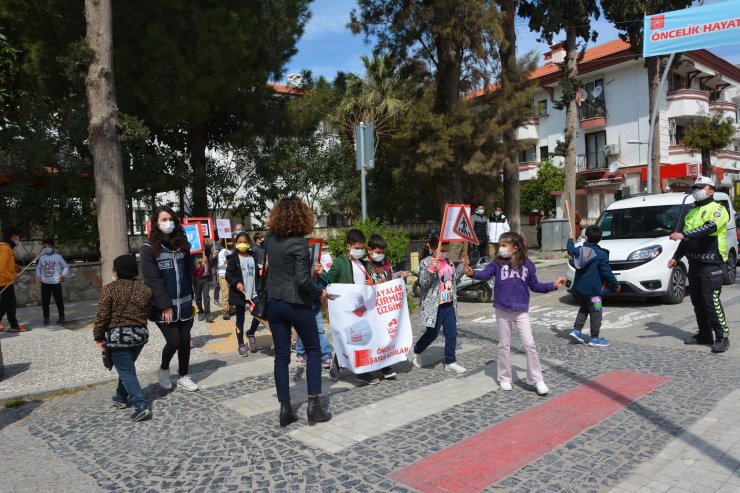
(687, 103)
(528, 130)
(679, 154)
(592, 161)
(528, 170)
(726, 109)
(592, 115)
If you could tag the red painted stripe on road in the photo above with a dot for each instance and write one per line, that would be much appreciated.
(478, 462)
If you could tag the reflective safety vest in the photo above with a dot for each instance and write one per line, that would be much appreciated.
(705, 228)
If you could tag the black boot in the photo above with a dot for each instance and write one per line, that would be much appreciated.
(721, 345)
(315, 412)
(287, 415)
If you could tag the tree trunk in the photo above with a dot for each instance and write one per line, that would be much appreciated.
(103, 130)
(653, 70)
(706, 163)
(509, 78)
(571, 125)
(199, 185)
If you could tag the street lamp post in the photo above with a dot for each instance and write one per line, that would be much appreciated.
(649, 170)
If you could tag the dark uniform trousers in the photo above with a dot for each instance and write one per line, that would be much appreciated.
(705, 286)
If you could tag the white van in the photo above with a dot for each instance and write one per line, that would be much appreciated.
(636, 230)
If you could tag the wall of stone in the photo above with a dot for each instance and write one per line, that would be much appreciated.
(82, 284)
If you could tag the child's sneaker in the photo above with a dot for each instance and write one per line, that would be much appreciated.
(577, 335)
(414, 359)
(455, 368)
(542, 388)
(251, 343)
(186, 383)
(46, 321)
(302, 359)
(242, 350)
(326, 364)
(598, 342)
(60, 321)
(140, 413)
(505, 386)
(119, 402)
(163, 376)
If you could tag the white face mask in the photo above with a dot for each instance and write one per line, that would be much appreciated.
(699, 194)
(504, 252)
(480, 211)
(497, 213)
(166, 227)
(357, 253)
(377, 257)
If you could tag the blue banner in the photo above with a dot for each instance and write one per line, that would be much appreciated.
(694, 28)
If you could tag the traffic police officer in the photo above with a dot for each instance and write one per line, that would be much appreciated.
(703, 242)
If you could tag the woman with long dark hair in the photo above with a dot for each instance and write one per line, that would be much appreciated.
(166, 266)
(289, 291)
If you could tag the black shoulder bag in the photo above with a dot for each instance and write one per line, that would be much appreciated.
(259, 307)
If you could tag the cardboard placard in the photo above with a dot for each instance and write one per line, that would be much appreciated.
(206, 225)
(194, 234)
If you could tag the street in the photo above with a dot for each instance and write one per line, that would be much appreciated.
(612, 417)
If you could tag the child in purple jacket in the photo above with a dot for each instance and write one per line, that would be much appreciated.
(515, 277)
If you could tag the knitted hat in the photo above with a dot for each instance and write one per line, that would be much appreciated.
(126, 267)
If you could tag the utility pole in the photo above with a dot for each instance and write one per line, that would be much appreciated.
(365, 158)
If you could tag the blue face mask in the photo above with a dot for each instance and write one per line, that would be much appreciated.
(48, 250)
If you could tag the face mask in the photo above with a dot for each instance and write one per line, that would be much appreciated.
(167, 227)
(699, 194)
(480, 211)
(497, 213)
(378, 257)
(357, 253)
(443, 255)
(504, 252)
(242, 247)
(48, 250)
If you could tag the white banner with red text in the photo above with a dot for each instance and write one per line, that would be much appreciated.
(370, 325)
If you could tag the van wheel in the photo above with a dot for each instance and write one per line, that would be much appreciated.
(483, 293)
(730, 274)
(676, 287)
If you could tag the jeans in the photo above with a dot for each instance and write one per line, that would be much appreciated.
(128, 390)
(447, 321)
(216, 287)
(203, 295)
(47, 290)
(241, 312)
(177, 337)
(323, 340)
(282, 316)
(7, 305)
(505, 321)
(590, 306)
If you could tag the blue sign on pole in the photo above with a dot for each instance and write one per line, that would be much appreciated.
(195, 237)
(694, 28)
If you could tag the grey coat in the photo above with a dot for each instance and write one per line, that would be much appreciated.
(429, 289)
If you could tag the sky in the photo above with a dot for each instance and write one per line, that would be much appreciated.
(327, 46)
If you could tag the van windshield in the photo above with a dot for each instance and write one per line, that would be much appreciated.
(642, 222)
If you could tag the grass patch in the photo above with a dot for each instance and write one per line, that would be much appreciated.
(15, 402)
(73, 390)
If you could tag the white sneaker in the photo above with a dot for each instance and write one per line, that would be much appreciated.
(414, 360)
(505, 385)
(164, 379)
(542, 388)
(454, 367)
(186, 383)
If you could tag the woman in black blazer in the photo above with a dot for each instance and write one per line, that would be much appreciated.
(242, 275)
(289, 291)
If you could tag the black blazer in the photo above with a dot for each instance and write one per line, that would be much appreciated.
(234, 276)
(289, 270)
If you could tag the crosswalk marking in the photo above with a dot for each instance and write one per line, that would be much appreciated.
(357, 425)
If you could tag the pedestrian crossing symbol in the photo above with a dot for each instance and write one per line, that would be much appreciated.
(464, 226)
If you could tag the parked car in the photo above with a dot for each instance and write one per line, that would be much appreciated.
(636, 234)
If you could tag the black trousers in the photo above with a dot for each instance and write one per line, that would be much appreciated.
(47, 290)
(705, 286)
(590, 306)
(481, 249)
(177, 337)
(7, 305)
(202, 292)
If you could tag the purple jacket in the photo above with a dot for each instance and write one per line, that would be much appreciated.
(511, 291)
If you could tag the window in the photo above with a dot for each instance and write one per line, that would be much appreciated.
(544, 153)
(678, 82)
(528, 155)
(595, 144)
(541, 107)
(593, 103)
(645, 222)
